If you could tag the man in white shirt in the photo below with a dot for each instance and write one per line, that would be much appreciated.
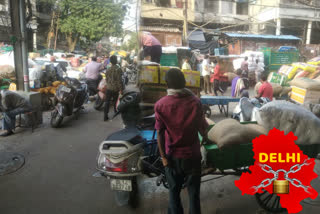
(206, 74)
(259, 70)
(186, 65)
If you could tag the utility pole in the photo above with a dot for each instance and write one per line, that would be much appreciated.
(18, 17)
(185, 23)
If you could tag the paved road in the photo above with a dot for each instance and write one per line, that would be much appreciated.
(57, 177)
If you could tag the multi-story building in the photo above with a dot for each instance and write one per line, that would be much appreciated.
(292, 17)
(165, 18)
(37, 26)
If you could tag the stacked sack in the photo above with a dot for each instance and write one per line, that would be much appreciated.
(230, 132)
(289, 117)
(305, 90)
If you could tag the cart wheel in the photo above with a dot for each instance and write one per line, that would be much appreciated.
(206, 110)
(269, 202)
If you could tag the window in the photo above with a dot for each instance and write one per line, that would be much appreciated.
(242, 8)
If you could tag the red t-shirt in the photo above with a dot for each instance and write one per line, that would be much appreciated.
(266, 90)
(219, 74)
(182, 118)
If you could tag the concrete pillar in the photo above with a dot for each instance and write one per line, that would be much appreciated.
(309, 31)
(278, 30)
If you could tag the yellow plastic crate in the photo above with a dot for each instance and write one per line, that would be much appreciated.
(192, 78)
(149, 74)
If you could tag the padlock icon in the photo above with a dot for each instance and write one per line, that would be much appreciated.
(281, 187)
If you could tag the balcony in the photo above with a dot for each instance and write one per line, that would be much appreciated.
(153, 10)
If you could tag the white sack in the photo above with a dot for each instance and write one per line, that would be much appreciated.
(288, 117)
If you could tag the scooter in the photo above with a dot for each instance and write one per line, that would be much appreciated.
(130, 152)
(132, 73)
(69, 100)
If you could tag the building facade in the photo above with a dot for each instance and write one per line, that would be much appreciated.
(276, 17)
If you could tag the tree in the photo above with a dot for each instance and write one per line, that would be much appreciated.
(89, 19)
(132, 43)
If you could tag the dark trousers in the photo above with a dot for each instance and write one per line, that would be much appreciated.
(182, 171)
(216, 87)
(9, 118)
(154, 51)
(110, 95)
(201, 83)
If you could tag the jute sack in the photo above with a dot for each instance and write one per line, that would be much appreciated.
(7, 72)
(288, 117)
(230, 132)
(306, 83)
(231, 76)
(277, 89)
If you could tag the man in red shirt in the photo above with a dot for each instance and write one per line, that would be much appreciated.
(265, 89)
(179, 118)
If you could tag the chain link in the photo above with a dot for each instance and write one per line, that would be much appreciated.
(293, 169)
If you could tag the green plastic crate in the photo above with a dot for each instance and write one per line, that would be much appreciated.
(169, 60)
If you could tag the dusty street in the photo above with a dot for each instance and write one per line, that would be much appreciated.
(57, 176)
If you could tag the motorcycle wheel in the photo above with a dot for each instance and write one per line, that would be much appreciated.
(124, 198)
(98, 103)
(56, 119)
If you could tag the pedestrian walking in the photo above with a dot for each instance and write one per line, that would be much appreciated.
(11, 105)
(245, 65)
(115, 85)
(179, 119)
(206, 74)
(217, 76)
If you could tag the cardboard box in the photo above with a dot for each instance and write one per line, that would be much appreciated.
(192, 78)
(149, 74)
(301, 95)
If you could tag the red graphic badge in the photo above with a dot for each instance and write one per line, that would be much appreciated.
(280, 168)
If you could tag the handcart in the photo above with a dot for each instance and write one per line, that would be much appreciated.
(221, 101)
(233, 160)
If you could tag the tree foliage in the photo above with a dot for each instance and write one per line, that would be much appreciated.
(89, 19)
(132, 44)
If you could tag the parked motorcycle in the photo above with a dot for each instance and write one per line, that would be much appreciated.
(130, 152)
(132, 73)
(69, 100)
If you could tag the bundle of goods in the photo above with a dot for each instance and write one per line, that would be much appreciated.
(35, 75)
(305, 90)
(7, 72)
(230, 132)
(231, 76)
(50, 89)
(252, 57)
(314, 61)
(289, 117)
(299, 70)
(278, 79)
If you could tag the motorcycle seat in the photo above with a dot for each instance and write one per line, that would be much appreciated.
(127, 134)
